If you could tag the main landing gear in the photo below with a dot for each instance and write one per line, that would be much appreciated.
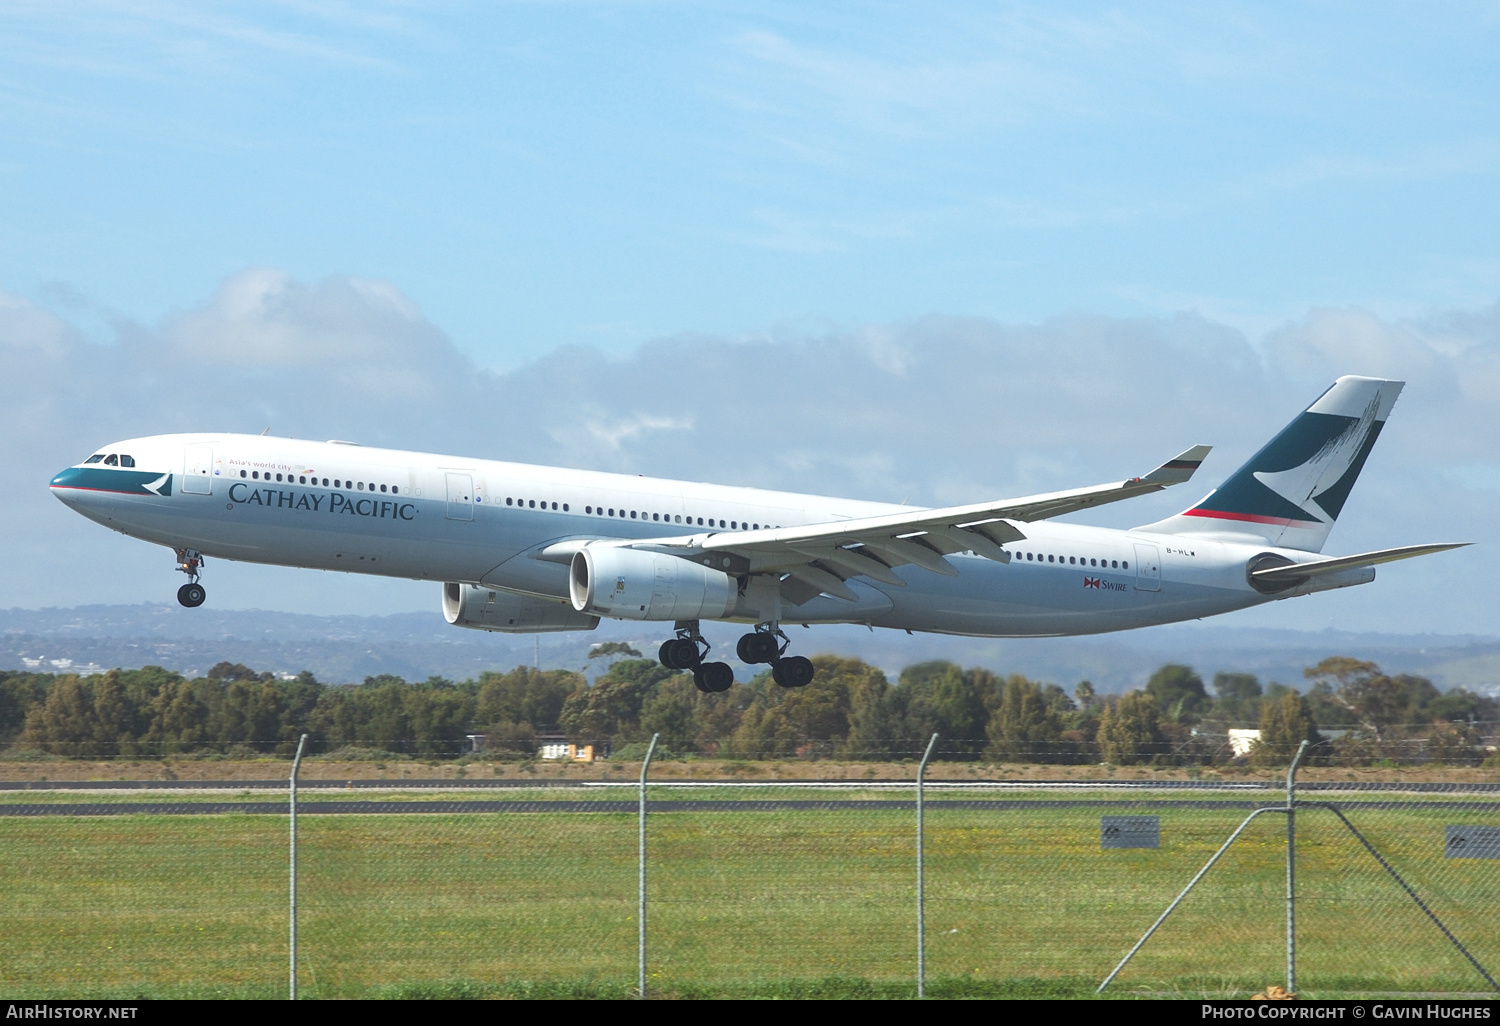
(768, 644)
(682, 653)
(191, 594)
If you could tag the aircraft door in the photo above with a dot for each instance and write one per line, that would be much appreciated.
(198, 470)
(460, 497)
(1147, 568)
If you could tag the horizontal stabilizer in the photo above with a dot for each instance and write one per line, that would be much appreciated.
(1296, 573)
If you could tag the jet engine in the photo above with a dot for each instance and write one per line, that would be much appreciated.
(489, 609)
(632, 584)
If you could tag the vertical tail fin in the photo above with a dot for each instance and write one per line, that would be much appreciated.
(1291, 492)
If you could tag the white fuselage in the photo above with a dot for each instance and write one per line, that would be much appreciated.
(338, 506)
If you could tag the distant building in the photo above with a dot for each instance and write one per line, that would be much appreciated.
(1241, 741)
(560, 750)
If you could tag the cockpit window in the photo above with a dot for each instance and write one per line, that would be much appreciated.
(127, 461)
(111, 460)
(94, 458)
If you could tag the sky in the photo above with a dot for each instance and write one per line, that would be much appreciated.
(940, 253)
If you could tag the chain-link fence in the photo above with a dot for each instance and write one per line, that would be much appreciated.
(752, 887)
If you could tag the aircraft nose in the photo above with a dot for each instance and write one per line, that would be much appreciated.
(65, 485)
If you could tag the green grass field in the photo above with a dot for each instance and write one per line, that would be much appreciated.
(787, 903)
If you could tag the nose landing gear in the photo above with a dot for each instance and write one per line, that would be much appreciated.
(763, 646)
(191, 594)
(682, 653)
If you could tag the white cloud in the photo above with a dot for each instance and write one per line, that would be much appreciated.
(934, 410)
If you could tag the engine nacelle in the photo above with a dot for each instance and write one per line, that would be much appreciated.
(489, 609)
(632, 584)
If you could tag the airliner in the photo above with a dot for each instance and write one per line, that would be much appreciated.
(524, 549)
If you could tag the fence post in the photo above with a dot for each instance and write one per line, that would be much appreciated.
(641, 911)
(1291, 869)
(292, 810)
(921, 884)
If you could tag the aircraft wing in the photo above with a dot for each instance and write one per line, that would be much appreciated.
(1296, 573)
(821, 557)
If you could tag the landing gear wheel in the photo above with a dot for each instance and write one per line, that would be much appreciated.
(191, 595)
(760, 647)
(711, 678)
(679, 654)
(793, 672)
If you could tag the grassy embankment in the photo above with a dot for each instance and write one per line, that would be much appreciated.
(397, 769)
(784, 903)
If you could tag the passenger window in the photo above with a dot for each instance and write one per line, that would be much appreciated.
(533, 504)
(111, 460)
(394, 489)
(336, 483)
(1125, 564)
(127, 461)
(565, 507)
(302, 480)
(632, 514)
(1049, 559)
(1072, 560)
(325, 482)
(678, 519)
(382, 488)
(96, 458)
(611, 511)
(554, 505)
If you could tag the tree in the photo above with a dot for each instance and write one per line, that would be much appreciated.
(1128, 730)
(1237, 697)
(1025, 727)
(227, 672)
(612, 650)
(525, 695)
(114, 715)
(611, 708)
(1178, 693)
(938, 697)
(1376, 702)
(1085, 694)
(1284, 725)
(180, 719)
(64, 723)
(19, 692)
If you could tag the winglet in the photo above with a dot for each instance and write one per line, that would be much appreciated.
(1179, 468)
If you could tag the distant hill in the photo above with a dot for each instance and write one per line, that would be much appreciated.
(341, 649)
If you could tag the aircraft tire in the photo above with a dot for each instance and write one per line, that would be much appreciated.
(191, 595)
(679, 654)
(713, 678)
(757, 648)
(794, 672)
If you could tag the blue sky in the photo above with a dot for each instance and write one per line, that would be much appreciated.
(539, 174)
(1250, 197)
